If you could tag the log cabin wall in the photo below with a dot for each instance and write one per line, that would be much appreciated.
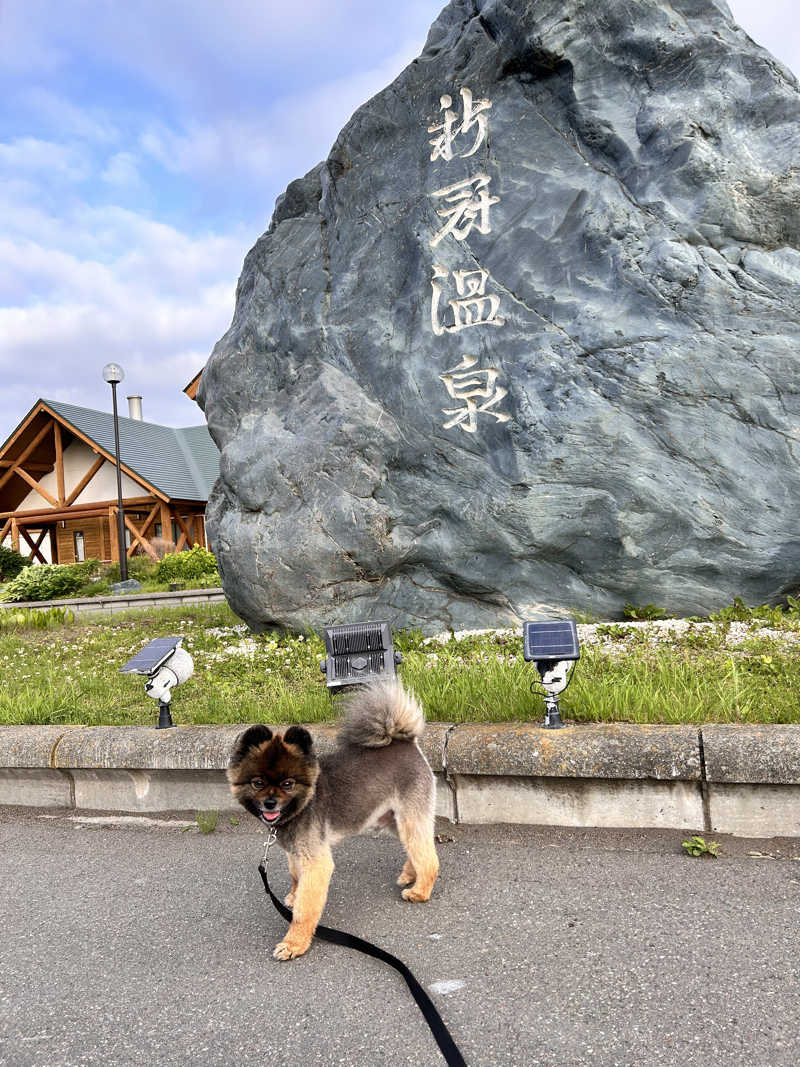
(95, 540)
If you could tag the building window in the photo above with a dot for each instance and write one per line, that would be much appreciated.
(157, 529)
(80, 546)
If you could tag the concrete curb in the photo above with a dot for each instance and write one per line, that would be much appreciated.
(741, 780)
(112, 605)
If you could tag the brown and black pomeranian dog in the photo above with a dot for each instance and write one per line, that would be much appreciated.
(376, 778)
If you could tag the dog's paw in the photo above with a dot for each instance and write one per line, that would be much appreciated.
(289, 950)
(415, 895)
(407, 875)
(288, 900)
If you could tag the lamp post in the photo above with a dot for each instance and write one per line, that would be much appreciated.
(113, 374)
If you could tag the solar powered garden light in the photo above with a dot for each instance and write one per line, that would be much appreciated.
(358, 653)
(552, 647)
(166, 665)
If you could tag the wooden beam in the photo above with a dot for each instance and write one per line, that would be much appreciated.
(76, 492)
(98, 506)
(35, 553)
(14, 536)
(35, 485)
(42, 468)
(53, 545)
(26, 423)
(59, 463)
(14, 469)
(166, 522)
(144, 528)
(5, 530)
(151, 552)
(186, 537)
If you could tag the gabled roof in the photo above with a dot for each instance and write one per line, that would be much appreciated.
(183, 464)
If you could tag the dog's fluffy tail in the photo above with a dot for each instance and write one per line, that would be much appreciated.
(379, 713)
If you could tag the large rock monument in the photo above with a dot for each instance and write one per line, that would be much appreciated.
(528, 340)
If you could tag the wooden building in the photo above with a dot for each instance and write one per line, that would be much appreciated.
(58, 484)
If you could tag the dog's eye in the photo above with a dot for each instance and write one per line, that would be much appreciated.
(288, 784)
(257, 783)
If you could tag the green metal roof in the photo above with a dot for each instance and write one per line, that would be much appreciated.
(181, 463)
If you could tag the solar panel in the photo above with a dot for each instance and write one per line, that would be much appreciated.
(357, 652)
(150, 658)
(553, 639)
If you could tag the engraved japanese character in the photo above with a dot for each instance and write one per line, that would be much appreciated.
(466, 383)
(472, 307)
(473, 114)
(470, 202)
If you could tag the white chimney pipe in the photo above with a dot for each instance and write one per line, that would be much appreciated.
(135, 408)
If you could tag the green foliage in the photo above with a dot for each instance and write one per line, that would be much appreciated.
(699, 676)
(613, 631)
(775, 616)
(94, 587)
(142, 568)
(11, 563)
(646, 612)
(49, 581)
(35, 618)
(207, 821)
(698, 846)
(187, 566)
(409, 640)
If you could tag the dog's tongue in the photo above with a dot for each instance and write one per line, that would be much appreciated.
(269, 816)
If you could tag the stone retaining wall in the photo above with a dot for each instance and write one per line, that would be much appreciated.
(112, 605)
(728, 779)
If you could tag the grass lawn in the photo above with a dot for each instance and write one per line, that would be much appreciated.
(741, 666)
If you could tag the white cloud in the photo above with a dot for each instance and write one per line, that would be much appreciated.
(62, 117)
(123, 170)
(29, 154)
(297, 131)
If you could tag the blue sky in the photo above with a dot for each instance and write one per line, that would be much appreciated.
(142, 146)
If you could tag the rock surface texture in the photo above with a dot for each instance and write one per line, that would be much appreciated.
(527, 341)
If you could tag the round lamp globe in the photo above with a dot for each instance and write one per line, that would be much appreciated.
(113, 373)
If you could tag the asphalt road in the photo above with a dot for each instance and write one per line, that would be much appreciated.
(152, 945)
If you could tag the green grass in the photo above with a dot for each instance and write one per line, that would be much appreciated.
(69, 673)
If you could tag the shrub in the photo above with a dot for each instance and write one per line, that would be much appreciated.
(142, 568)
(48, 581)
(186, 566)
(94, 587)
(11, 563)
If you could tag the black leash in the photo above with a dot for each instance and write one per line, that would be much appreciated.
(446, 1044)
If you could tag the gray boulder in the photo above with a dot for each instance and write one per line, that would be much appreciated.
(527, 341)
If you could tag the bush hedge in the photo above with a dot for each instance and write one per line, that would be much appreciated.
(11, 563)
(186, 566)
(48, 581)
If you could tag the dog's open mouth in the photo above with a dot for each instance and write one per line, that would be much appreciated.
(270, 816)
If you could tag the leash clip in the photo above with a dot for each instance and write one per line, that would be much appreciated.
(272, 837)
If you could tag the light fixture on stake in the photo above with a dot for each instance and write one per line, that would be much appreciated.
(166, 665)
(552, 647)
(358, 653)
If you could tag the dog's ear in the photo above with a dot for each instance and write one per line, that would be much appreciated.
(298, 735)
(251, 738)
